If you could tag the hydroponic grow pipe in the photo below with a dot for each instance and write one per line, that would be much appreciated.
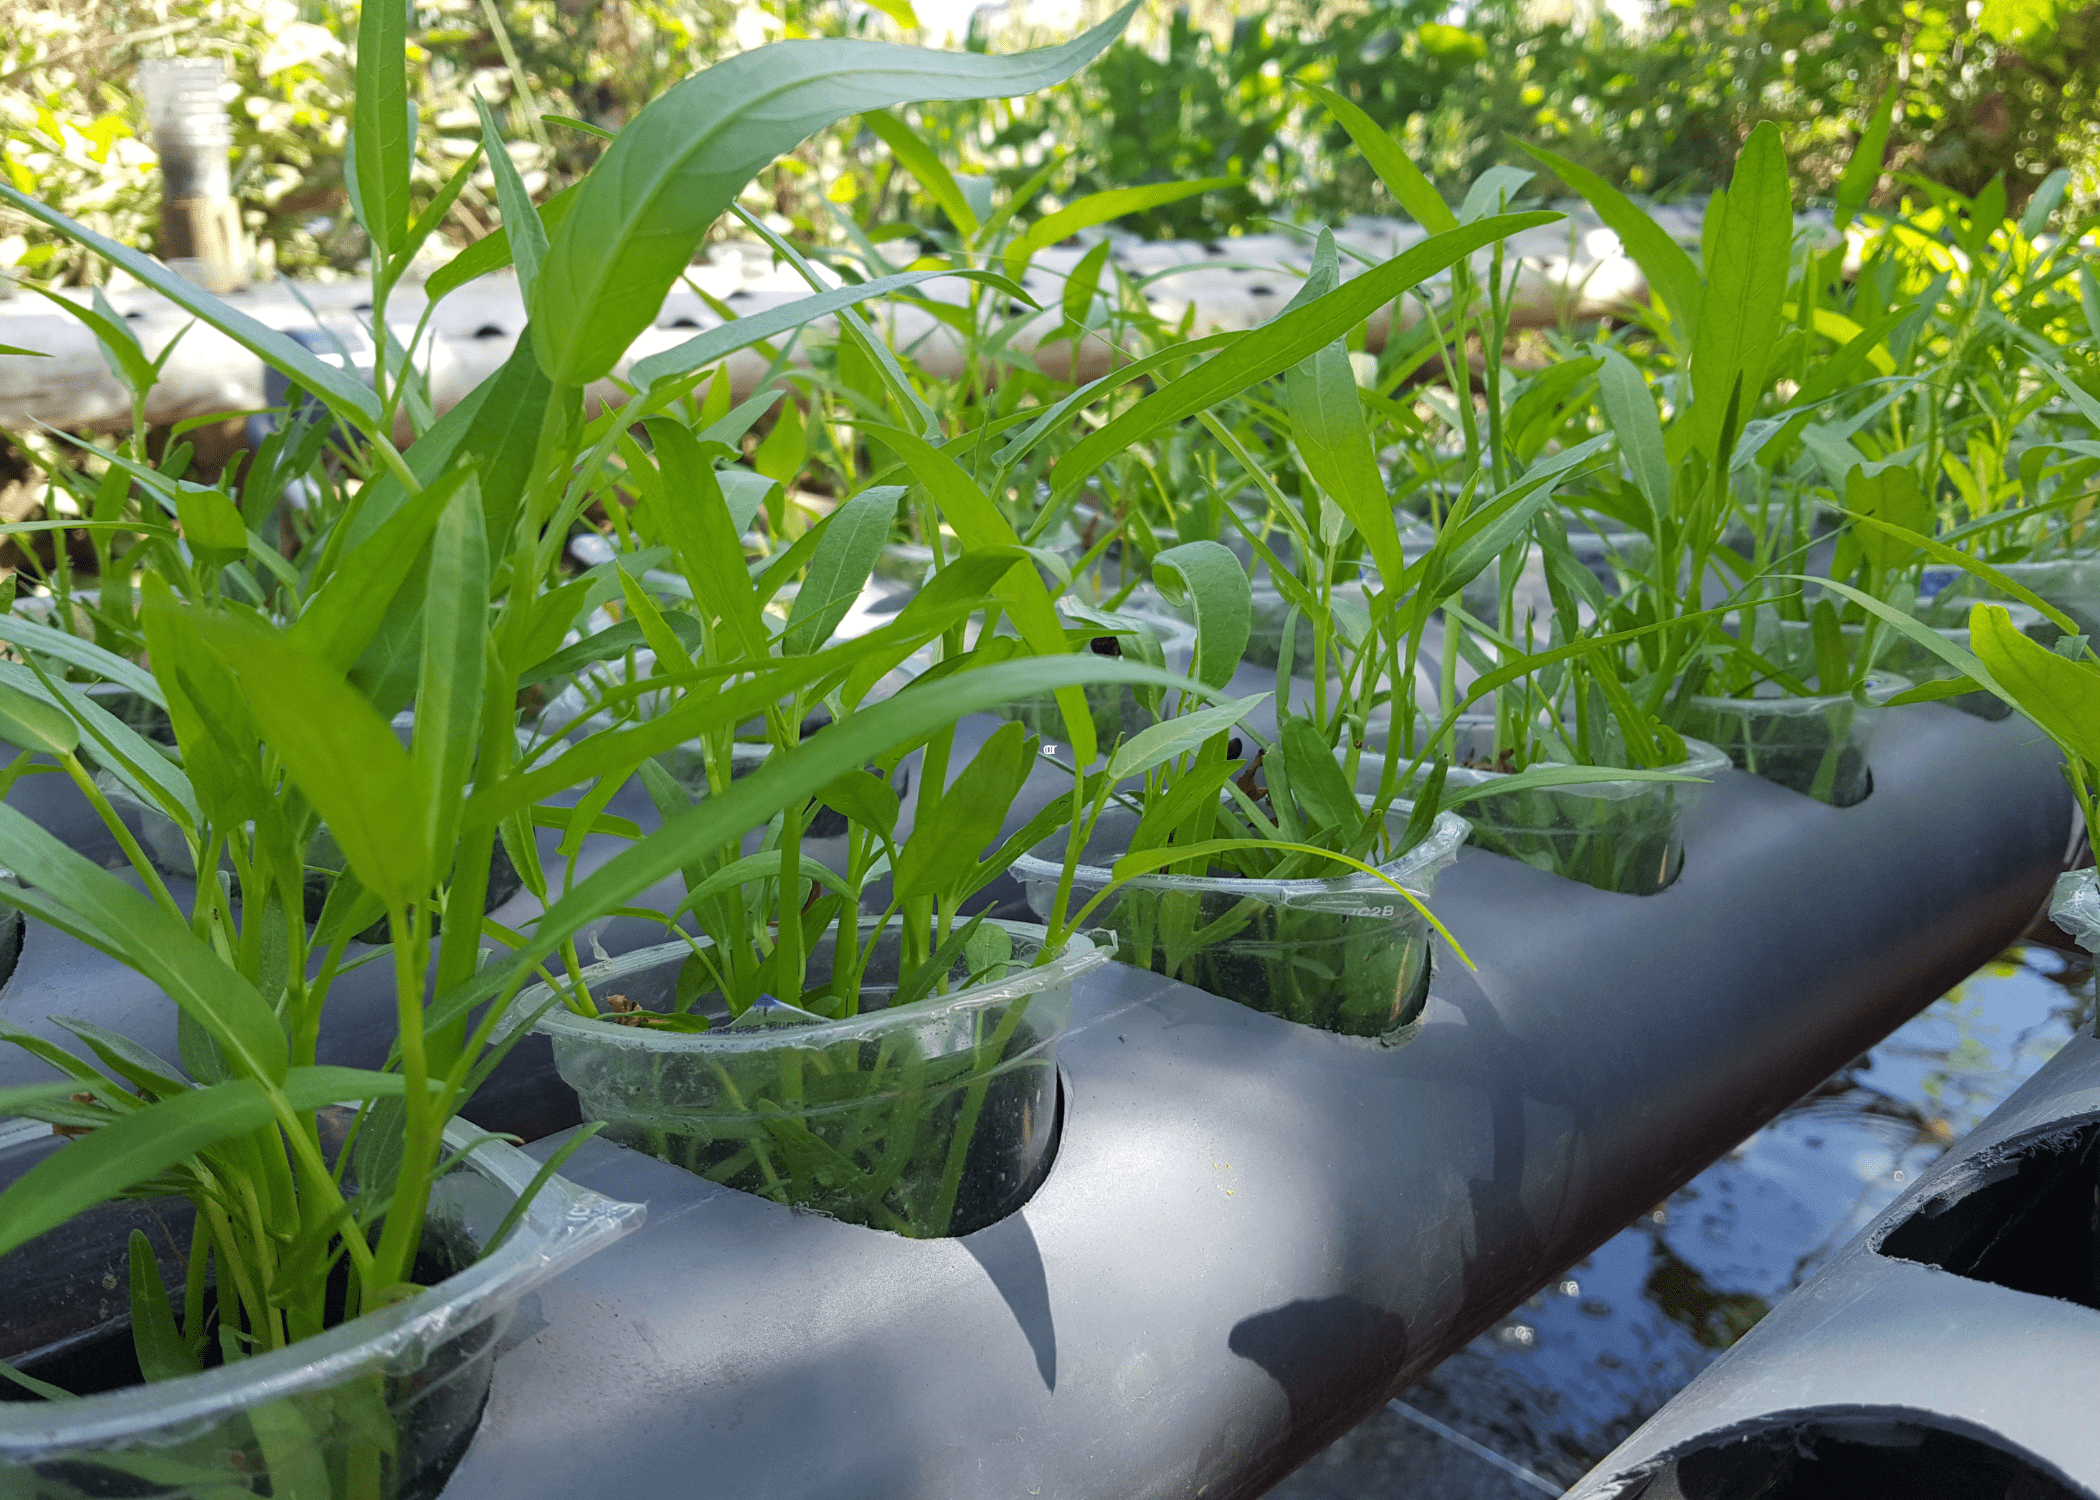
(1952, 1348)
(1254, 1233)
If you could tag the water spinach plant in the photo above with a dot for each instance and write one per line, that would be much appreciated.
(435, 586)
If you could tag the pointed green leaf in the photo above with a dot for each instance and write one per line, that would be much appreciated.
(162, 1352)
(954, 824)
(118, 1156)
(1670, 271)
(30, 723)
(1208, 580)
(120, 347)
(1156, 744)
(917, 158)
(449, 689)
(979, 523)
(528, 236)
(381, 121)
(130, 926)
(1402, 178)
(1630, 409)
(1102, 208)
(1746, 277)
(1327, 423)
(839, 570)
(492, 252)
(344, 394)
(1863, 170)
(704, 349)
(339, 751)
(681, 162)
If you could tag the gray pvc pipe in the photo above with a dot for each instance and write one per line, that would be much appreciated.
(1255, 1233)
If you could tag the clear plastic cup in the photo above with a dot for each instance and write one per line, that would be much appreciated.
(928, 1119)
(1348, 955)
(384, 1405)
(1623, 836)
(1815, 745)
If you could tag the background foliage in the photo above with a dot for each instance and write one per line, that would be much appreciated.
(1655, 95)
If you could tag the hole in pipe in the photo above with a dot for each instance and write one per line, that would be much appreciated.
(1851, 1458)
(2025, 1222)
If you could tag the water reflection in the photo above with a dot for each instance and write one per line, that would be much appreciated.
(1566, 1377)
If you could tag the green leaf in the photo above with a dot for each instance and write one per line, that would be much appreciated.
(780, 457)
(515, 1215)
(956, 823)
(212, 525)
(528, 236)
(18, 352)
(866, 798)
(1463, 550)
(2035, 217)
(110, 914)
(1739, 312)
(342, 617)
(434, 212)
(1084, 284)
(689, 509)
(1630, 409)
(208, 711)
(120, 347)
(2061, 697)
(764, 866)
(338, 750)
(30, 723)
(1253, 357)
(952, 595)
(919, 983)
(704, 349)
(1888, 492)
(1315, 778)
(135, 1064)
(1209, 579)
(381, 122)
(1100, 208)
(449, 689)
(19, 1097)
(1941, 552)
(1327, 423)
(492, 252)
(1402, 178)
(1863, 170)
(1964, 663)
(681, 162)
(63, 645)
(1492, 190)
(917, 158)
(162, 1352)
(1156, 744)
(980, 523)
(839, 570)
(344, 394)
(609, 645)
(1670, 272)
(120, 1155)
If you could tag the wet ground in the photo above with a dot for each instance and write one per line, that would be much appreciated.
(1529, 1407)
